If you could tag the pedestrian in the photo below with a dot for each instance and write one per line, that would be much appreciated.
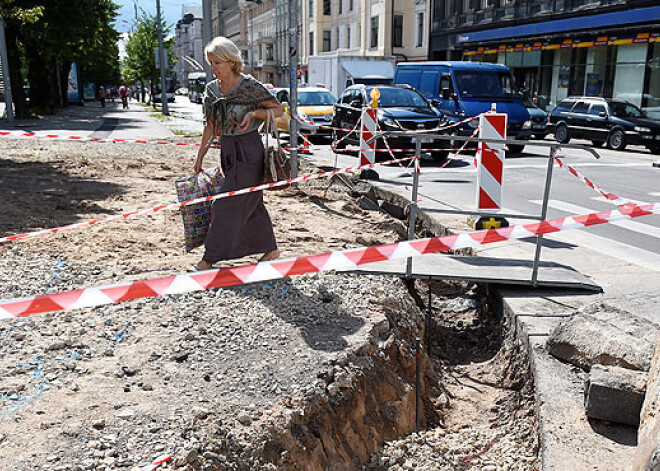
(123, 94)
(103, 94)
(235, 105)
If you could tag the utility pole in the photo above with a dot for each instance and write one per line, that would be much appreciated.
(163, 57)
(5, 71)
(207, 32)
(293, 84)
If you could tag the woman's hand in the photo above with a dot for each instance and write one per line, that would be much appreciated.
(198, 164)
(246, 121)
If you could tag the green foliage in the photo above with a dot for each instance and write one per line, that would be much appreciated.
(140, 64)
(51, 34)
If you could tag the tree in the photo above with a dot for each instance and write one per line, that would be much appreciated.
(65, 31)
(140, 64)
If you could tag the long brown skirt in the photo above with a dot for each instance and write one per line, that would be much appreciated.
(240, 225)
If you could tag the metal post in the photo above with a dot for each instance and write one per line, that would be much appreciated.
(413, 203)
(161, 55)
(207, 33)
(418, 383)
(293, 80)
(9, 102)
(544, 212)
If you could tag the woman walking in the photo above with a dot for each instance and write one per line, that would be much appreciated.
(235, 105)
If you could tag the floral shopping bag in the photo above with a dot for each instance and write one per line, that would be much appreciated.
(197, 217)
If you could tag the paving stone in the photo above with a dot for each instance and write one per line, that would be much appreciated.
(615, 394)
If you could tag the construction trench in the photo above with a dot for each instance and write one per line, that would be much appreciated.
(307, 373)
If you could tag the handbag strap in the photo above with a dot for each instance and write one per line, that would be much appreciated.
(270, 122)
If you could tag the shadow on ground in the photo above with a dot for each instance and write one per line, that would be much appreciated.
(39, 194)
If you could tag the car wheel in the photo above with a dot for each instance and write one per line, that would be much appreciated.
(516, 149)
(617, 140)
(561, 134)
(598, 143)
(440, 155)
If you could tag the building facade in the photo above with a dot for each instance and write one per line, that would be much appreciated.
(557, 48)
(367, 28)
(188, 43)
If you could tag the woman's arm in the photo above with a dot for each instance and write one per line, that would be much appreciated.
(207, 136)
(260, 113)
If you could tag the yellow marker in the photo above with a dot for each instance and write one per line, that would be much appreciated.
(492, 223)
(375, 95)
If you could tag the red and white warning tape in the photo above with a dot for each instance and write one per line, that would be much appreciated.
(172, 206)
(610, 196)
(276, 269)
(56, 137)
(156, 463)
(420, 131)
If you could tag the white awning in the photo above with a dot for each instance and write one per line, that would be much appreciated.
(369, 69)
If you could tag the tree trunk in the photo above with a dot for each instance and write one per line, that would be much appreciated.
(39, 78)
(21, 110)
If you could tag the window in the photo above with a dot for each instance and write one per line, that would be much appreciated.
(311, 8)
(420, 29)
(397, 32)
(337, 38)
(350, 5)
(326, 40)
(597, 109)
(581, 107)
(311, 44)
(341, 6)
(269, 52)
(326, 7)
(348, 37)
(374, 32)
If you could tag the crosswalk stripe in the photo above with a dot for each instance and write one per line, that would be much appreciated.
(602, 199)
(634, 226)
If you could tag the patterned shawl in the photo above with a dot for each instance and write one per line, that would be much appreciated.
(249, 93)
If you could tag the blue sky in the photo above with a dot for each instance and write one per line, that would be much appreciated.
(171, 10)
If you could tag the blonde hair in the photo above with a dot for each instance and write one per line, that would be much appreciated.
(225, 50)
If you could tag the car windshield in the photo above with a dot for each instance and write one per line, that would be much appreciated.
(485, 84)
(621, 109)
(315, 98)
(403, 97)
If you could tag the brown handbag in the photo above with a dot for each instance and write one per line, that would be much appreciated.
(277, 163)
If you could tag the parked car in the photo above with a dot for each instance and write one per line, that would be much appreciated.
(314, 108)
(539, 120)
(605, 120)
(464, 89)
(400, 108)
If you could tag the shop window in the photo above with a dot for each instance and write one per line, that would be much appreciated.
(629, 74)
(374, 32)
(651, 98)
(397, 33)
(578, 70)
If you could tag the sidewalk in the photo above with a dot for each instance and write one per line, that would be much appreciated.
(91, 120)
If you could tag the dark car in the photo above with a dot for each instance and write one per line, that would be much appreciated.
(400, 108)
(539, 119)
(605, 120)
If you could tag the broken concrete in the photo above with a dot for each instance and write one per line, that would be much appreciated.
(604, 335)
(615, 394)
(647, 455)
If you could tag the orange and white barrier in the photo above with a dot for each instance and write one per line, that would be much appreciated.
(490, 159)
(367, 131)
(277, 269)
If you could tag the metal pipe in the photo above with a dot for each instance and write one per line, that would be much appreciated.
(544, 213)
(429, 313)
(293, 84)
(413, 204)
(481, 213)
(418, 383)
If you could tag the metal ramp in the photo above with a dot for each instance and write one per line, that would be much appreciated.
(482, 270)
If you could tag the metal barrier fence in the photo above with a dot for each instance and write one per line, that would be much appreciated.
(553, 151)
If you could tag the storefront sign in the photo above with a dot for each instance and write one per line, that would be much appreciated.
(73, 87)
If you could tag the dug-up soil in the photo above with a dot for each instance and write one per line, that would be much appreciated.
(308, 373)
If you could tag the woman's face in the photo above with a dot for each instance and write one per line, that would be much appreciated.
(221, 69)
